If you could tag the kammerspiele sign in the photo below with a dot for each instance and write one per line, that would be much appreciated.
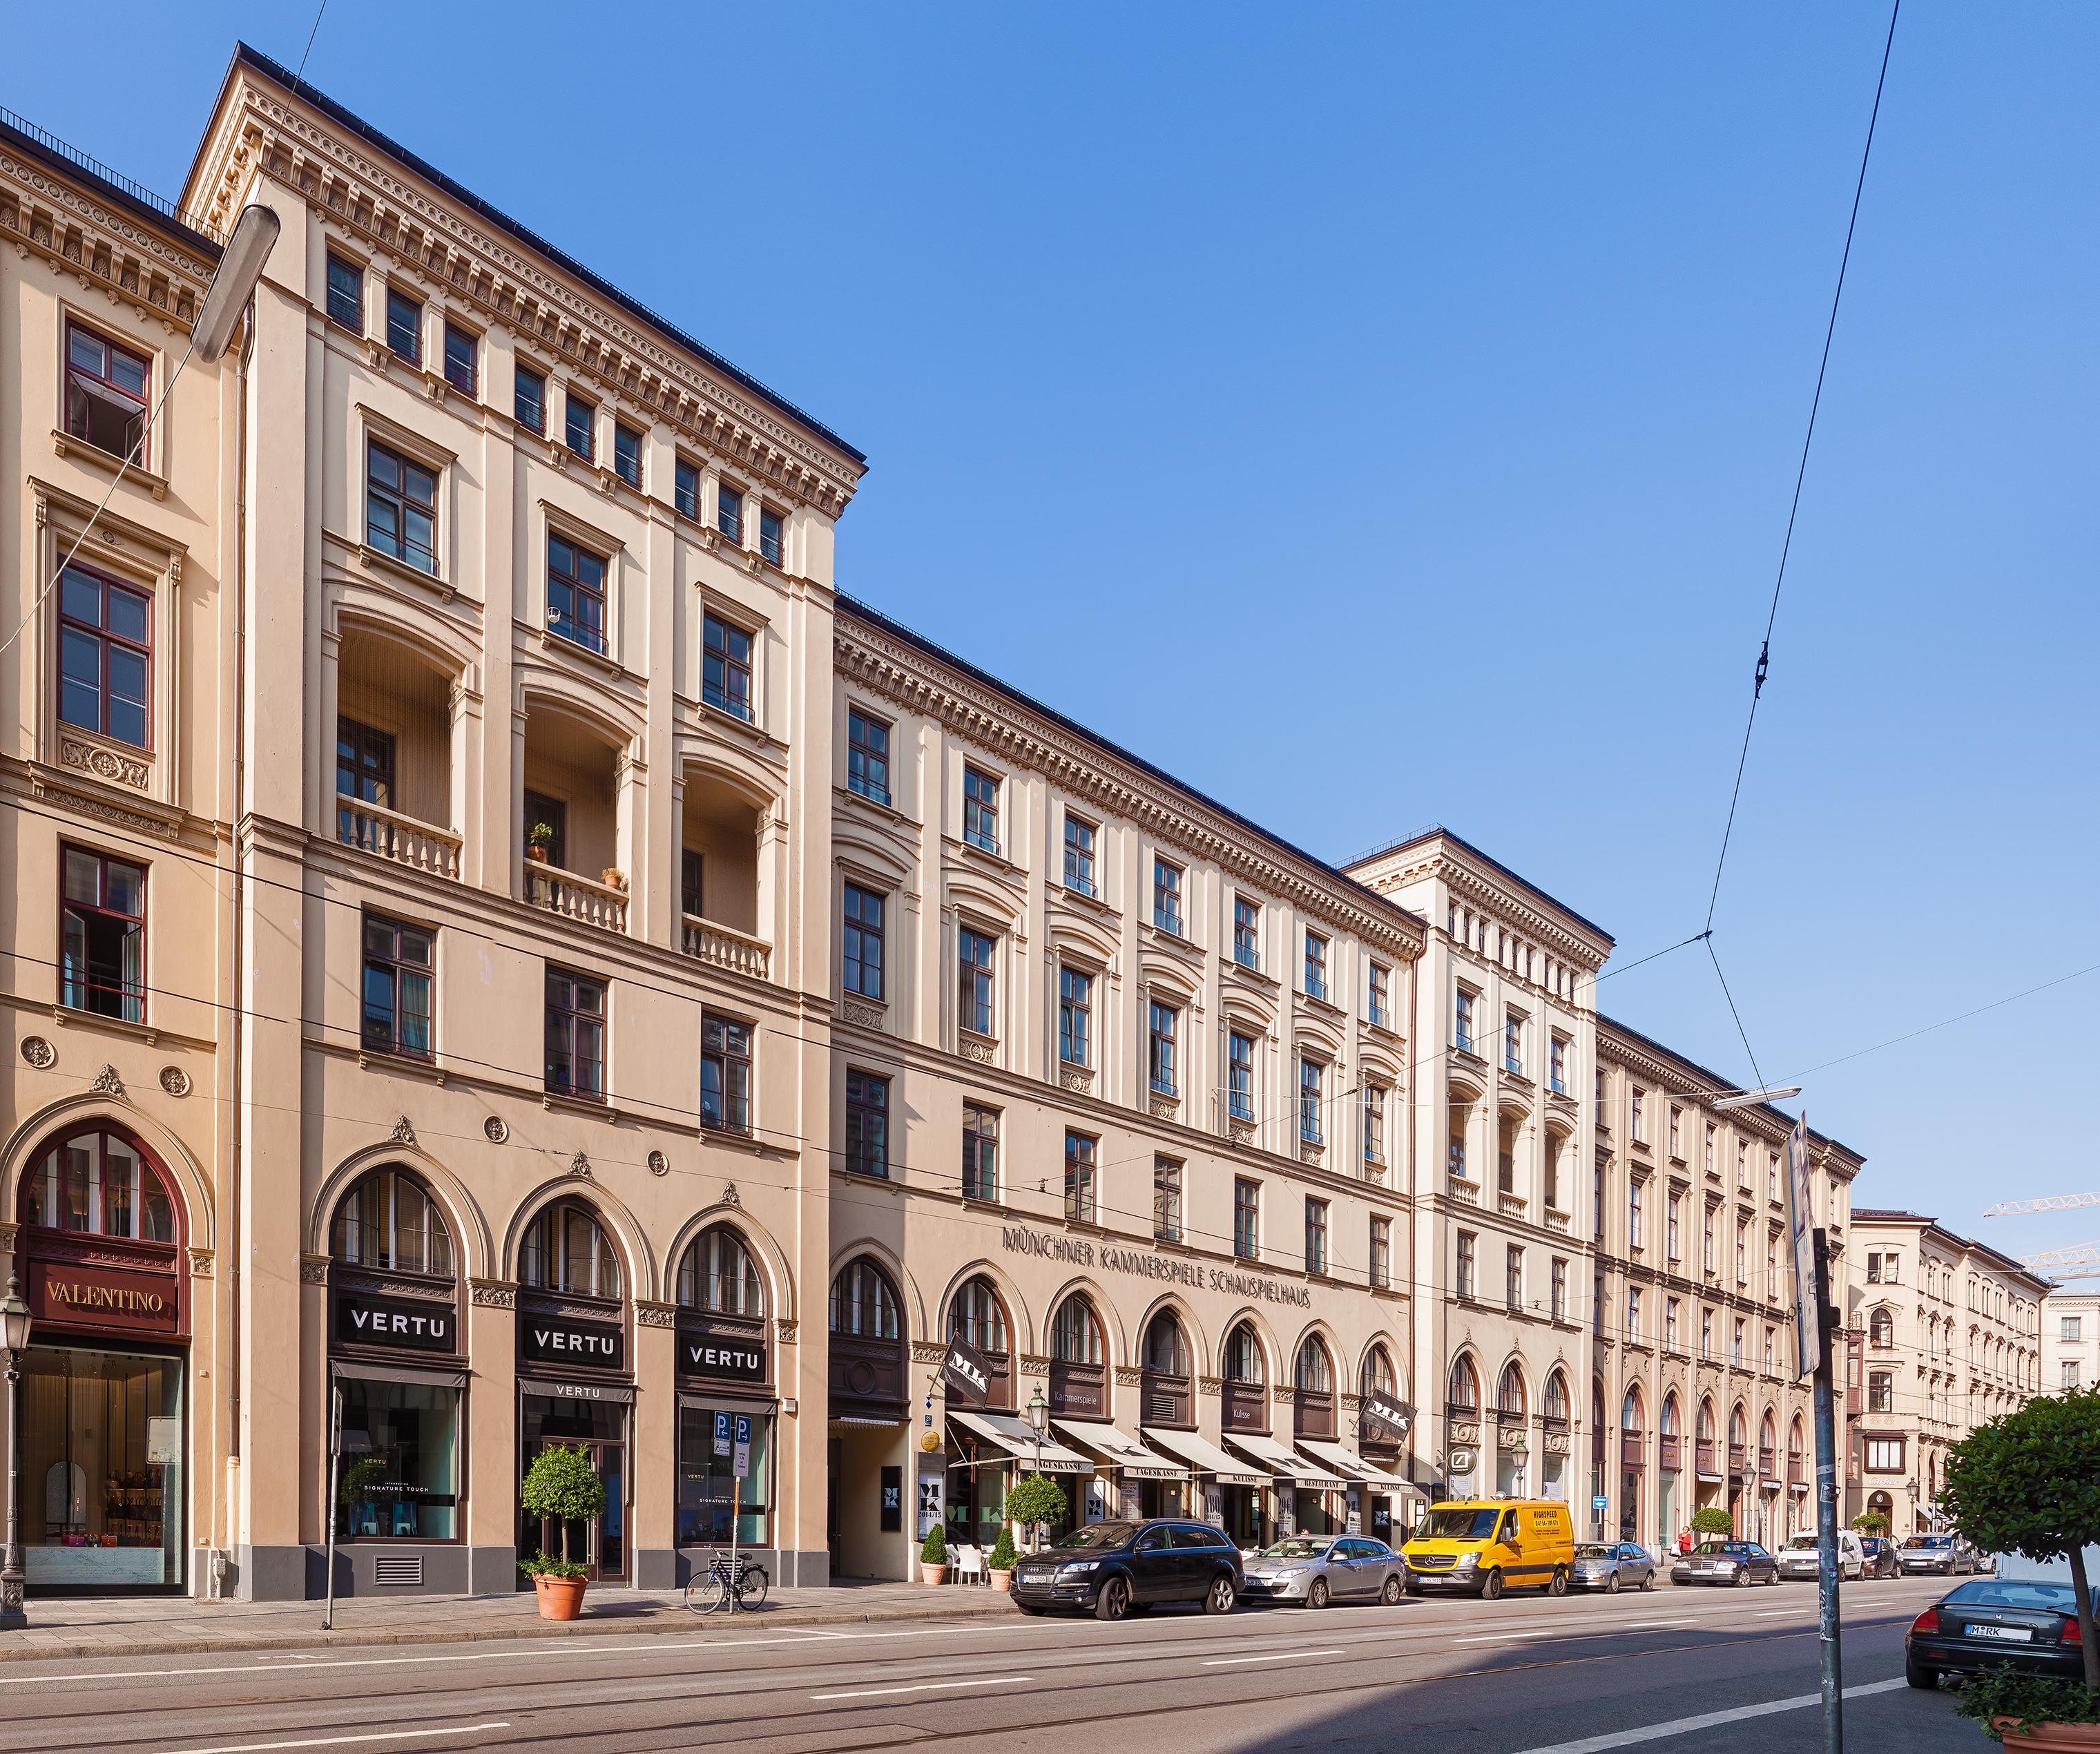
(1140, 1264)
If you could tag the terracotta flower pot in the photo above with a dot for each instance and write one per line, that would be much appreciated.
(538, 855)
(934, 1576)
(1002, 1580)
(561, 1598)
(2048, 1738)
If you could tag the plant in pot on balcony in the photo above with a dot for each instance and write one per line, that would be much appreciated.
(1001, 1562)
(539, 840)
(560, 1484)
(2029, 1484)
(933, 1555)
(614, 878)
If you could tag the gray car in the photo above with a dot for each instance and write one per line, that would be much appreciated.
(1314, 1569)
(1610, 1566)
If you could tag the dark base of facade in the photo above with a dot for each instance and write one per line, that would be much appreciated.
(395, 1569)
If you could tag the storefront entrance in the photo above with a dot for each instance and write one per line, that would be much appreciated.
(599, 1426)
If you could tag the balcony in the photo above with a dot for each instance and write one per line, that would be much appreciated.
(372, 828)
(573, 807)
(394, 758)
(725, 948)
(1512, 1205)
(577, 897)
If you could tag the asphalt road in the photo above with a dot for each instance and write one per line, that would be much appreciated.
(1676, 1668)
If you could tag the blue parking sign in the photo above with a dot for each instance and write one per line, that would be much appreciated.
(722, 1433)
(742, 1465)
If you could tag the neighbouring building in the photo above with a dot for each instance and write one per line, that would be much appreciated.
(2071, 1340)
(1951, 1336)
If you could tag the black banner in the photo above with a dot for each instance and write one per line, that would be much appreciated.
(563, 1340)
(363, 1320)
(730, 1359)
(966, 1374)
(1388, 1419)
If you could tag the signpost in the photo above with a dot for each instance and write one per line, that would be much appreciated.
(1811, 1273)
(739, 1466)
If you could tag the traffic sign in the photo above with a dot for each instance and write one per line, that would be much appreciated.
(1801, 1225)
(722, 1433)
(1598, 1503)
(742, 1464)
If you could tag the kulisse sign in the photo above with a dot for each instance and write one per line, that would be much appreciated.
(558, 1340)
(362, 1320)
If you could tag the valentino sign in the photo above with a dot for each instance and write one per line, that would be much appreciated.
(104, 1298)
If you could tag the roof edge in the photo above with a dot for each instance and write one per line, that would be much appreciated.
(1437, 831)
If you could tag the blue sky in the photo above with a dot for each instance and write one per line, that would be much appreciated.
(1388, 416)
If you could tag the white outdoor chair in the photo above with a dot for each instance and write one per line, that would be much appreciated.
(970, 1565)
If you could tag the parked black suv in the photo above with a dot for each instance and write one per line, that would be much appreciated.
(1119, 1568)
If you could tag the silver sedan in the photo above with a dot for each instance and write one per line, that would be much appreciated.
(1314, 1569)
(1612, 1566)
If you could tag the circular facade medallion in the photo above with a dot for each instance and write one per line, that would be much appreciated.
(659, 1164)
(175, 1081)
(38, 1052)
(497, 1132)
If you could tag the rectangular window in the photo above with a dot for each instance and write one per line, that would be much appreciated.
(1316, 1235)
(462, 359)
(1165, 1199)
(345, 294)
(1239, 1076)
(980, 1152)
(412, 1485)
(692, 883)
(1770, 1337)
(861, 937)
(1742, 1165)
(729, 512)
(365, 773)
(1513, 1044)
(576, 594)
(1166, 896)
(1075, 1017)
(1374, 1123)
(1736, 1344)
(1885, 1454)
(1706, 1243)
(1742, 1251)
(404, 326)
(1670, 1324)
(1455, 1145)
(868, 1124)
(105, 653)
(1706, 1333)
(981, 809)
(1080, 856)
(579, 419)
(106, 394)
(1557, 1065)
(686, 488)
(1311, 1076)
(1772, 1178)
(2071, 1328)
(1165, 1048)
(1640, 1119)
(867, 755)
(725, 667)
(1597, 1195)
(1676, 1132)
(1246, 1218)
(1636, 1228)
(547, 827)
(1559, 1288)
(1713, 1168)
(1513, 1279)
(1468, 1248)
(1246, 933)
(1316, 966)
(400, 969)
(1673, 1210)
(975, 1010)
(1378, 1007)
(1462, 1023)
(2068, 1373)
(1633, 1314)
(1079, 1179)
(768, 535)
(401, 508)
(102, 936)
(1880, 1391)
(1381, 1273)
(627, 454)
(576, 1034)
(531, 402)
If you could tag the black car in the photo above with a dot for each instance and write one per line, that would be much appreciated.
(1879, 1553)
(1988, 1621)
(1112, 1569)
(1725, 1562)
(1947, 1554)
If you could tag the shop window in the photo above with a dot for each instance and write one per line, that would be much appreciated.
(404, 1486)
(105, 656)
(102, 1184)
(565, 1249)
(102, 936)
(101, 1463)
(711, 1498)
(389, 1223)
(106, 394)
(720, 1275)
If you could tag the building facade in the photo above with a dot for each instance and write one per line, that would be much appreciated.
(1950, 1337)
(2071, 1340)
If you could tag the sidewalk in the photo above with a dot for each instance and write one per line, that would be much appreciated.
(110, 1626)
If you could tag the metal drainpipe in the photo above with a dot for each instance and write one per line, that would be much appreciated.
(240, 888)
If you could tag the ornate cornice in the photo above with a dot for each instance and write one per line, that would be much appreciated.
(46, 214)
(911, 678)
(1470, 883)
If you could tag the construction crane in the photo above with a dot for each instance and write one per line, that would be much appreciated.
(2081, 1262)
(2050, 1203)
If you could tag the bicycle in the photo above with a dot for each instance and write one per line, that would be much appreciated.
(745, 1588)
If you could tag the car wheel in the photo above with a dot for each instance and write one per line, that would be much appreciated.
(1742, 1578)
(1647, 1580)
(1220, 1598)
(1491, 1587)
(1612, 1584)
(1113, 1601)
(1558, 1586)
(1774, 1579)
(1919, 1676)
(1390, 1595)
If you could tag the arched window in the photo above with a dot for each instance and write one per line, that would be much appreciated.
(1794, 1437)
(1881, 1329)
(1739, 1431)
(1556, 1399)
(720, 1276)
(978, 1319)
(1465, 1395)
(390, 1223)
(1245, 1361)
(1075, 1336)
(1669, 1419)
(1706, 1421)
(1379, 1378)
(1768, 1434)
(1631, 1418)
(565, 1249)
(863, 1302)
(1509, 1393)
(1315, 1370)
(1166, 1350)
(101, 1182)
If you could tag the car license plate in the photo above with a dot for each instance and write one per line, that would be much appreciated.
(2011, 1634)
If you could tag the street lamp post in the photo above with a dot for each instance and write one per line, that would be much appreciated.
(14, 1341)
(1038, 1420)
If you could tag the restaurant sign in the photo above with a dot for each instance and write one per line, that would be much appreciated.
(1140, 1264)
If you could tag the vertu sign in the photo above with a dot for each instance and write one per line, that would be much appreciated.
(363, 1320)
(563, 1340)
(77, 1296)
(724, 1359)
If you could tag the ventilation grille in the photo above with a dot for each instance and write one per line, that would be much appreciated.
(399, 1568)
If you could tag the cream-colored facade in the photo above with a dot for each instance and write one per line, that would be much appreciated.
(2070, 1341)
(1951, 1338)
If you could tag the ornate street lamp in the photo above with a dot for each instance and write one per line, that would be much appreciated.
(1039, 1422)
(14, 1341)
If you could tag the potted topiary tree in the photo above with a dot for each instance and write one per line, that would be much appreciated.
(560, 1484)
(1870, 1522)
(2029, 1484)
(1001, 1562)
(2037, 1712)
(1711, 1519)
(1033, 1502)
(538, 839)
(933, 1556)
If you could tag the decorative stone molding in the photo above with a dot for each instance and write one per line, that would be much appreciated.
(1209, 1385)
(1166, 1108)
(39, 1053)
(201, 1264)
(1032, 1364)
(785, 1331)
(1513, 1437)
(581, 1165)
(730, 1196)
(106, 763)
(46, 211)
(659, 1164)
(647, 1314)
(865, 1017)
(1310, 1151)
(1075, 1078)
(8, 1233)
(314, 1269)
(1351, 1404)
(494, 1130)
(163, 826)
(1465, 1434)
(1128, 1376)
(175, 1081)
(1557, 1442)
(404, 1134)
(493, 1293)
(924, 1352)
(981, 1050)
(107, 1083)
(1240, 1132)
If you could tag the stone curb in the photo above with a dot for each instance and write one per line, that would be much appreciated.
(667, 1622)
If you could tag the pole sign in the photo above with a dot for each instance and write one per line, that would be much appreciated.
(742, 1467)
(722, 1433)
(965, 1374)
(1801, 1227)
(1598, 1502)
(1386, 1417)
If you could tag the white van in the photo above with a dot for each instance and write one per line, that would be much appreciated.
(1798, 1557)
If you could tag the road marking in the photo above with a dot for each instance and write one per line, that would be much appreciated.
(1279, 1656)
(924, 1687)
(1681, 1726)
(329, 1741)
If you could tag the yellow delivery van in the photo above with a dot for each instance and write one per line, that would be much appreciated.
(1484, 1545)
